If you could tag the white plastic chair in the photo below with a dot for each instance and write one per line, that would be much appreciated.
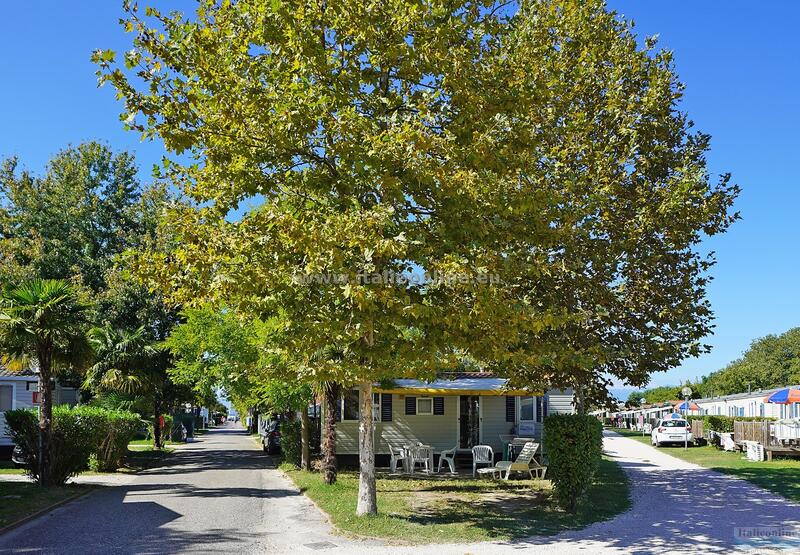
(396, 454)
(481, 454)
(420, 454)
(448, 456)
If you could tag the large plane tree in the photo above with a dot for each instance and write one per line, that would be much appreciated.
(530, 159)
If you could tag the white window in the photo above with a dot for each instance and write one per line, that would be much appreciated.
(350, 405)
(6, 397)
(376, 407)
(526, 409)
(424, 405)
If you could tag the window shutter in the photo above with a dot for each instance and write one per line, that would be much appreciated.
(539, 411)
(411, 405)
(511, 409)
(386, 407)
(337, 413)
(438, 405)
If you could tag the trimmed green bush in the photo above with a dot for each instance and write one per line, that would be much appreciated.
(118, 430)
(291, 442)
(574, 447)
(73, 440)
(80, 435)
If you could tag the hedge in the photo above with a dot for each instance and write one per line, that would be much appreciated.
(574, 447)
(119, 429)
(81, 436)
(291, 442)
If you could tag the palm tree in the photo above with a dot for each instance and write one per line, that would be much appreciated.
(44, 322)
(128, 363)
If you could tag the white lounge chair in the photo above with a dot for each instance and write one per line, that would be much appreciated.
(481, 454)
(448, 456)
(524, 463)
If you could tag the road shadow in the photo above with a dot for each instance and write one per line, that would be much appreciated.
(145, 516)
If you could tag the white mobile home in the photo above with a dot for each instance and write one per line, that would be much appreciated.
(20, 391)
(456, 410)
(749, 404)
(17, 391)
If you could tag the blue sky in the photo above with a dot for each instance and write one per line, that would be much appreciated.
(739, 61)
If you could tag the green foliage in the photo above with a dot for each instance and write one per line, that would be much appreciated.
(44, 321)
(771, 361)
(291, 442)
(216, 349)
(662, 394)
(124, 361)
(72, 221)
(574, 447)
(72, 442)
(81, 436)
(375, 153)
(118, 428)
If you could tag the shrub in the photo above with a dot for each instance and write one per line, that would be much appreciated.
(574, 447)
(119, 428)
(80, 435)
(291, 442)
(74, 438)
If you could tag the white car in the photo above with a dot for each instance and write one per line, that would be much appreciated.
(671, 430)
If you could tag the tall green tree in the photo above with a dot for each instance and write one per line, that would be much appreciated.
(71, 221)
(43, 323)
(533, 159)
(75, 222)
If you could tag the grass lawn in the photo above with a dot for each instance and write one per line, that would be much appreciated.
(145, 444)
(781, 476)
(8, 467)
(430, 511)
(20, 499)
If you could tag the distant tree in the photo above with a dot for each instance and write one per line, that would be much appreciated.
(214, 349)
(44, 323)
(634, 399)
(771, 361)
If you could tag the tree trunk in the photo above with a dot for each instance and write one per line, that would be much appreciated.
(329, 439)
(157, 439)
(305, 451)
(580, 400)
(45, 420)
(367, 497)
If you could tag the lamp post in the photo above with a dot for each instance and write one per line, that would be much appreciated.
(642, 401)
(687, 393)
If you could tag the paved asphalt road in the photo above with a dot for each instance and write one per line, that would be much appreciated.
(218, 494)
